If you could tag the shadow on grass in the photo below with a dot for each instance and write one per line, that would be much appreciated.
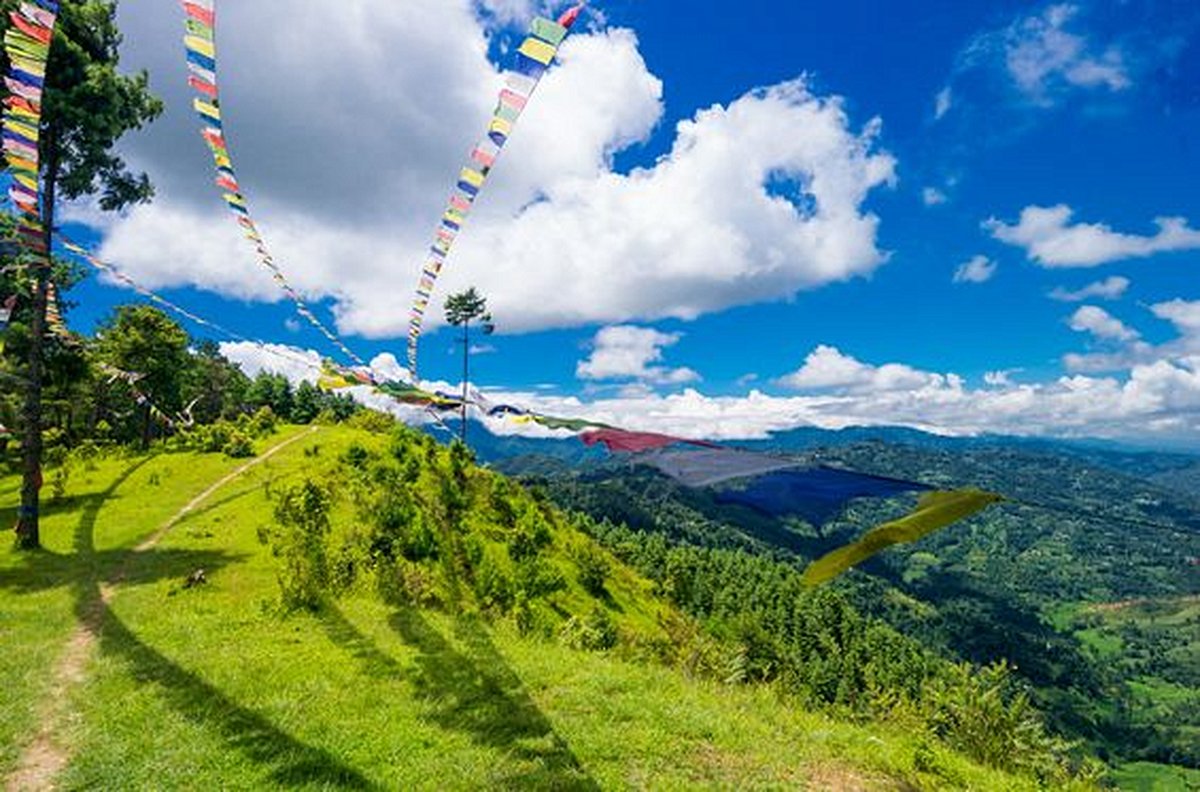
(42, 570)
(288, 761)
(375, 662)
(476, 693)
(216, 504)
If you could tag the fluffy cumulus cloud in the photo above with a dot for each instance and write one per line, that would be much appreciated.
(1101, 324)
(1184, 314)
(828, 368)
(1108, 289)
(625, 352)
(1158, 399)
(347, 170)
(932, 196)
(979, 269)
(1050, 238)
(1130, 350)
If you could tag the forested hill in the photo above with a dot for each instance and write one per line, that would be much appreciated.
(1040, 582)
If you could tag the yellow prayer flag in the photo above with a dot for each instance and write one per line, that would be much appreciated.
(500, 125)
(197, 44)
(472, 177)
(539, 50)
(206, 108)
(935, 510)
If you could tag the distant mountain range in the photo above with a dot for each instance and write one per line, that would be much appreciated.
(1174, 470)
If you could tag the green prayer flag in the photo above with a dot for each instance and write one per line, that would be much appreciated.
(548, 31)
(572, 424)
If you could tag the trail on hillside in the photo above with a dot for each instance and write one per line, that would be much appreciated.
(46, 756)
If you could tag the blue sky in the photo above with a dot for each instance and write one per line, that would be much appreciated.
(1041, 140)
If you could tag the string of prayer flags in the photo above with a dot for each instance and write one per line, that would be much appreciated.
(162, 302)
(55, 325)
(532, 59)
(778, 486)
(335, 377)
(27, 45)
(131, 379)
(200, 45)
(125, 280)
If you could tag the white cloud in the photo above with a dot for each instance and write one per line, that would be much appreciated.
(1049, 238)
(1183, 314)
(1101, 324)
(627, 352)
(1000, 379)
(827, 367)
(1156, 400)
(298, 365)
(979, 269)
(347, 176)
(943, 102)
(1042, 59)
(932, 196)
(1112, 288)
(1040, 53)
(509, 11)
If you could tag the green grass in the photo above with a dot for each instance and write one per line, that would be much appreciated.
(1102, 644)
(1150, 777)
(208, 688)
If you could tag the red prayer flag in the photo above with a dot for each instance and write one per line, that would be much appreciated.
(200, 14)
(619, 440)
(568, 19)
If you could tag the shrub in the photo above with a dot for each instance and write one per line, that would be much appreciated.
(372, 421)
(530, 535)
(596, 632)
(406, 583)
(238, 446)
(356, 457)
(58, 482)
(298, 540)
(493, 586)
(535, 579)
(977, 711)
(261, 424)
(593, 569)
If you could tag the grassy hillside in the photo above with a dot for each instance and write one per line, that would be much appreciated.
(1003, 586)
(118, 674)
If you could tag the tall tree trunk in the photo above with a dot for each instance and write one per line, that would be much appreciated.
(146, 424)
(28, 534)
(28, 537)
(466, 376)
